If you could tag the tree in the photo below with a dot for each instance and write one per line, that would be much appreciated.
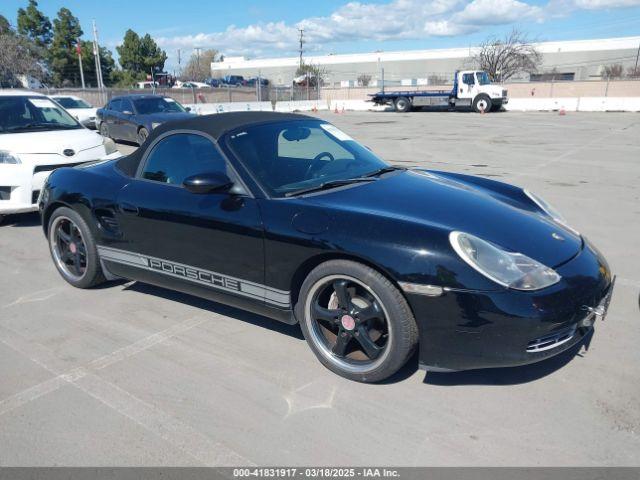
(633, 72)
(198, 68)
(63, 59)
(612, 71)
(124, 78)
(364, 80)
(503, 58)
(140, 54)
(35, 25)
(312, 74)
(5, 26)
(17, 58)
(107, 64)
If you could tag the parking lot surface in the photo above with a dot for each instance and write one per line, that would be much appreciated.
(131, 374)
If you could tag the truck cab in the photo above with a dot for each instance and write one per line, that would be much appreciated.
(475, 87)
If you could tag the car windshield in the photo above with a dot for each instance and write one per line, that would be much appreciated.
(32, 113)
(70, 102)
(296, 156)
(483, 78)
(148, 105)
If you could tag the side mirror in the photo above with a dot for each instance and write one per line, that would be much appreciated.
(188, 109)
(208, 183)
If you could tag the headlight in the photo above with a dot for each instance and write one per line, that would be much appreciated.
(109, 146)
(155, 125)
(8, 158)
(512, 270)
(550, 210)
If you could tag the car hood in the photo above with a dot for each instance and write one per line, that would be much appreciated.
(55, 141)
(504, 218)
(165, 117)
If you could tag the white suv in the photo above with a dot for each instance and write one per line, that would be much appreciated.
(36, 137)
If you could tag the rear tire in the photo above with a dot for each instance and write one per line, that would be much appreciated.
(482, 103)
(356, 322)
(402, 104)
(143, 133)
(73, 249)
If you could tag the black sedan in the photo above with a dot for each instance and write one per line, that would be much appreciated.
(132, 117)
(287, 216)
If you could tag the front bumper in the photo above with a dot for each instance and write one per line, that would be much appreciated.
(463, 330)
(20, 184)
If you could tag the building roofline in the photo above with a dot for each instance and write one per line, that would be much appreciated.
(620, 43)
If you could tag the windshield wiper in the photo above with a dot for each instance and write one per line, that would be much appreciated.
(329, 184)
(383, 170)
(54, 126)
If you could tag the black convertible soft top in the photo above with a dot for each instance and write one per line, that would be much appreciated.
(214, 125)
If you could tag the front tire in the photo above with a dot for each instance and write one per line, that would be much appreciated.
(356, 321)
(73, 249)
(482, 103)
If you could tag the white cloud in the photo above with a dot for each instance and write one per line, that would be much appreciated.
(393, 20)
(497, 12)
(601, 4)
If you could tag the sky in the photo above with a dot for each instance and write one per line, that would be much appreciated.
(257, 28)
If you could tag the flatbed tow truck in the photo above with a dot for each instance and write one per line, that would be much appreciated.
(471, 88)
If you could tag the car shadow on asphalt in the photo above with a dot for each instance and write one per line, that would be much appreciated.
(31, 219)
(510, 375)
(218, 308)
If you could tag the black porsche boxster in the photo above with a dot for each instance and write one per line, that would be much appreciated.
(287, 216)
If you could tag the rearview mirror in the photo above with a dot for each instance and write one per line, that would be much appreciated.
(296, 134)
(208, 183)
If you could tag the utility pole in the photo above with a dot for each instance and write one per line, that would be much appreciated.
(197, 49)
(635, 70)
(96, 53)
(301, 30)
(179, 68)
(79, 52)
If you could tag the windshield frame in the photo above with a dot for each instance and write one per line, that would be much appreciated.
(137, 101)
(227, 146)
(74, 123)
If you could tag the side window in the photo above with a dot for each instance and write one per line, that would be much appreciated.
(309, 147)
(115, 105)
(182, 155)
(126, 105)
(468, 79)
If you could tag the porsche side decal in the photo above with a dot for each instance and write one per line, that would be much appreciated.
(189, 273)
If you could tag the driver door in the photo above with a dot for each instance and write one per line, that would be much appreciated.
(467, 86)
(205, 243)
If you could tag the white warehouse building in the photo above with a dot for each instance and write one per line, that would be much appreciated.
(564, 60)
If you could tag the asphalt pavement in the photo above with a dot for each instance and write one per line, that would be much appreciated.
(130, 374)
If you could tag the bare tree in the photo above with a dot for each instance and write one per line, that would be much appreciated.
(612, 71)
(502, 58)
(633, 72)
(364, 80)
(198, 67)
(18, 56)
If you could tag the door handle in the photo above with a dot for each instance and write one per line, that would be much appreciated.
(130, 209)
